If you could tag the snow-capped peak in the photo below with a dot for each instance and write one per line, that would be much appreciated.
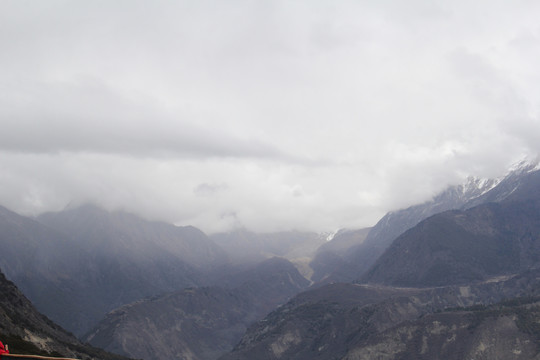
(524, 166)
(475, 186)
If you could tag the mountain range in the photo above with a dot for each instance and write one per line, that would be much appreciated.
(153, 290)
(359, 258)
(459, 246)
(415, 300)
(79, 264)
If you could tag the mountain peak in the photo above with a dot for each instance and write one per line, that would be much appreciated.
(525, 166)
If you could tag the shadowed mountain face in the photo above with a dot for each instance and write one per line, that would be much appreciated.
(26, 331)
(79, 264)
(361, 256)
(198, 323)
(462, 246)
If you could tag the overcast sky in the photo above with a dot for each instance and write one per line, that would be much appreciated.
(270, 115)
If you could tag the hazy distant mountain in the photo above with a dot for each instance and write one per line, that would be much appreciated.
(116, 233)
(330, 263)
(198, 323)
(26, 331)
(342, 241)
(462, 246)
(245, 246)
(126, 258)
(78, 264)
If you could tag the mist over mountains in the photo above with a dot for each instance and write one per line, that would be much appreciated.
(85, 262)
(152, 290)
(301, 179)
(436, 270)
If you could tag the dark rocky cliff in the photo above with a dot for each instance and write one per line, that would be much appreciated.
(26, 331)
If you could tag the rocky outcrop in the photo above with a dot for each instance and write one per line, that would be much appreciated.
(26, 331)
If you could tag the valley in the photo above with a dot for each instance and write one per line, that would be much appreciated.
(461, 271)
(269, 180)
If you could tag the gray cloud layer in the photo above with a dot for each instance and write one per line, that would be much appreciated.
(265, 114)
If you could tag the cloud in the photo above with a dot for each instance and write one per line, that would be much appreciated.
(206, 189)
(263, 114)
(91, 117)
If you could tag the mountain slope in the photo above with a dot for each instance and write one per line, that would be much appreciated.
(117, 233)
(472, 193)
(396, 222)
(481, 255)
(79, 264)
(198, 323)
(503, 331)
(27, 331)
(348, 321)
(44, 263)
(461, 246)
(330, 262)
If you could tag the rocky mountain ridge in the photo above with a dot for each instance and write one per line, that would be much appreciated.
(473, 192)
(358, 321)
(198, 323)
(460, 246)
(87, 261)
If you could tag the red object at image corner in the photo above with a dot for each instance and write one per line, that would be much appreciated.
(3, 350)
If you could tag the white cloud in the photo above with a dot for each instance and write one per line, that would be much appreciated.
(264, 114)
